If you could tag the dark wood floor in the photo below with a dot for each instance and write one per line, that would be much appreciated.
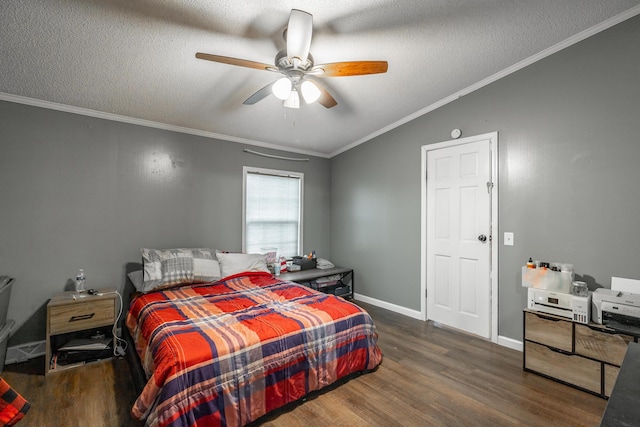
(430, 376)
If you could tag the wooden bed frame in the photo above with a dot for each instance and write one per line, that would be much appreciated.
(138, 375)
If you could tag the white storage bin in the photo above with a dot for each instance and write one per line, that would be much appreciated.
(5, 295)
(542, 278)
(4, 338)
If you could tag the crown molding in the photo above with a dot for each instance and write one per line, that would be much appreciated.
(148, 123)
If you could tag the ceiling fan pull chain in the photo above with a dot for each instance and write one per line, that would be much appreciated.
(292, 111)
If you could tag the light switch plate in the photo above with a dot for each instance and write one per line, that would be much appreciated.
(508, 239)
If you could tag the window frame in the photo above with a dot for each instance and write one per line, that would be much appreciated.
(273, 172)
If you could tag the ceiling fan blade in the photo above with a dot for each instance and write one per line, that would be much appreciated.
(351, 68)
(326, 100)
(235, 61)
(299, 32)
(259, 95)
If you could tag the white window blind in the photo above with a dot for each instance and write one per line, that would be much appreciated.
(273, 211)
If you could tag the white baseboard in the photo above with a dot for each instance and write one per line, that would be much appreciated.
(510, 342)
(388, 306)
(503, 341)
(23, 352)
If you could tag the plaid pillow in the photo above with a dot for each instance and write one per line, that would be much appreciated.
(172, 267)
(205, 265)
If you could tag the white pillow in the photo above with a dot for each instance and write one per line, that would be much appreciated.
(233, 263)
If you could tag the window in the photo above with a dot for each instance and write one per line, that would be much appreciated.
(272, 211)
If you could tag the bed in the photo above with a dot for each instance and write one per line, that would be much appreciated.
(230, 351)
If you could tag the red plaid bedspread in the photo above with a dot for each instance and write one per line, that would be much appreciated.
(229, 352)
(13, 407)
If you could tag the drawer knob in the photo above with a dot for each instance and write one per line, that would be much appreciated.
(81, 317)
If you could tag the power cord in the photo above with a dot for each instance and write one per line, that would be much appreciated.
(121, 345)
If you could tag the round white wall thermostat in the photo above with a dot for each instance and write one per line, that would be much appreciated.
(456, 133)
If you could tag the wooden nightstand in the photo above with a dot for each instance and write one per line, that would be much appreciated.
(73, 316)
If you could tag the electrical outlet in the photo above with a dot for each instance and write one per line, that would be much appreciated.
(508, 239)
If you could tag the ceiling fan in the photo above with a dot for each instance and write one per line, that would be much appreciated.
(298, 68)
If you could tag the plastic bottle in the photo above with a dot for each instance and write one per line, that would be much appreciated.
(81, 280)
(530, 264)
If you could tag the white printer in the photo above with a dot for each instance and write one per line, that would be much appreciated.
(617, 309)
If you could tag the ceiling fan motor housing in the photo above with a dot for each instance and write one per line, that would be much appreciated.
(283, 63)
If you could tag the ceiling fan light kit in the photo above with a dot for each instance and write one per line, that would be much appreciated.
(297, 66)
(310, 92)
(293, 101)
(282, 88)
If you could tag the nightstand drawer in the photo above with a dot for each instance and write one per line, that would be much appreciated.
(81, 315)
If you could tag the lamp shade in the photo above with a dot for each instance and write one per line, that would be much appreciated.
(282, 88)
(310, 92)
(293, 101)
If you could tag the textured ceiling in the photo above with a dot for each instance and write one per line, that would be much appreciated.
(134, 60)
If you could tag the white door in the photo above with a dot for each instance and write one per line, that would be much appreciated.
(459, 236)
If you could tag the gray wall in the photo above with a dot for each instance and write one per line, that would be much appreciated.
(569, 159)
(83, 192)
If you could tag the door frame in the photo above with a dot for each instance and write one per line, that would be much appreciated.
(493, 148)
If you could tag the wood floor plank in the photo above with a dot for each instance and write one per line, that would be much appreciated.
(430, 376)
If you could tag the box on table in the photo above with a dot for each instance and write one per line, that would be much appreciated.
(305, 263)
(543, 278)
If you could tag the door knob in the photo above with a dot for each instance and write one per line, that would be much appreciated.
(482, 238)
